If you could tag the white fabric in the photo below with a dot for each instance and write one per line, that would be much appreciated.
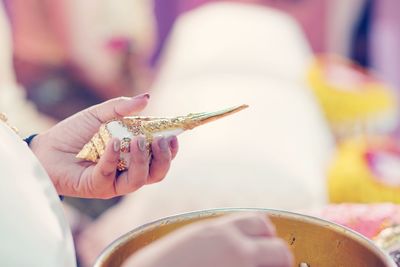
(271, 155)
(33, 230)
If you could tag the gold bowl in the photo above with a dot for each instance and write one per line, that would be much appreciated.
(313, 241)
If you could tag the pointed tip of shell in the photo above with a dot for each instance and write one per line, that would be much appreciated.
(93, 150)
(241, 107)
(83, 154)
(206, 117)
(237, 108)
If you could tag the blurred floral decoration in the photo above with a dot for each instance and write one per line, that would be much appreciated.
(362, 113)
(379, 222)
(354, 100)
(365, 170)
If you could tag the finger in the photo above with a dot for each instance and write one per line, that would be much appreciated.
(173, 145)
(104, 172)
(161, 160)
(272, 252)
(138, 171)
(119, 107)
(252, 224)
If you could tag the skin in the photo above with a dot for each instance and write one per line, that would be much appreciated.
(244, 240)
(56, 150)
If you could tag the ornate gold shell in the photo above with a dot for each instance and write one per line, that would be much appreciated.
(148, 127)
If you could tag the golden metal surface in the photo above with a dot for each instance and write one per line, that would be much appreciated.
(313, 241)
(96, 146)
(148, 127)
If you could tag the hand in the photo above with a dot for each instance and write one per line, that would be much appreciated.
(246, 240)
(56, 149)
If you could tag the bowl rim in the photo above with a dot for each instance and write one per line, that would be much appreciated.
(184, 216)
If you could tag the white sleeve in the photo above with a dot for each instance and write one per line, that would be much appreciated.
(33, 229)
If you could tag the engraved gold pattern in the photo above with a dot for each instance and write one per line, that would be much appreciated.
(148, 127)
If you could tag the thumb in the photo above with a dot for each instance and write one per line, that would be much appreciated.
(119, 107)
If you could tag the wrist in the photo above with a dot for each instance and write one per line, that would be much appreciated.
(33, 143)
(28, 140)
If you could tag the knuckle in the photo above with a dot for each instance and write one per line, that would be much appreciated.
(259, 223)
(106, 173)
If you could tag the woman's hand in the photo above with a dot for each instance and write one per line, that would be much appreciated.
(56, 149)
(246, 240)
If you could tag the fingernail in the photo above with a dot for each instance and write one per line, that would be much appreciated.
(173, 142)
(141, 143)
(117, 146)
(163, 144)
(146, 95)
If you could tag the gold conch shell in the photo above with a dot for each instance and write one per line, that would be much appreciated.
(128, 127)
